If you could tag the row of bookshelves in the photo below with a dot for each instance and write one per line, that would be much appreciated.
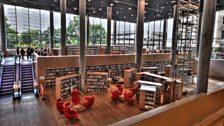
(114, 70)
(96, 81)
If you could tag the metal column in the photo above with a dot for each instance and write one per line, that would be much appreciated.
(206, 38)
(139, 33)
(63, 26)
(82, 60)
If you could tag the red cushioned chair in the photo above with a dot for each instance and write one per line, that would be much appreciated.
(59, 106)
(133, 89)
(128, 98)
(120, 88)
(115, 95)
(69, 114)
(75, 97)
(89, 101)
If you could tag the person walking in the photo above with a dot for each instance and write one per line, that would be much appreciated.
(28, 52)
(22, 52)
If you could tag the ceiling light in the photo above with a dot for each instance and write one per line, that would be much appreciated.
(129, 8)
(75, 8)
(111, 4)
(94, 12)
(100, 9)
(146, 3)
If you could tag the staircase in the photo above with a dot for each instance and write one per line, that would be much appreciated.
(7, 80)
(26, 78)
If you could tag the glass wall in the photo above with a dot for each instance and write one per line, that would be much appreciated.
(97, 31)
(72, 27)
(26, 27)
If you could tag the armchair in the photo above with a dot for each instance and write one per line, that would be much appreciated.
(59, 106)
(75, 97)
(120, 88)
(128, 97)
(89, 101)
(69, 114)
(115, 95)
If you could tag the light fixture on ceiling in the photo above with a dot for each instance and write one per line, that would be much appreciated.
(75, 8)
(94, 12)
(146, 3)
(100, 9)
(129, 8)
(111, 4)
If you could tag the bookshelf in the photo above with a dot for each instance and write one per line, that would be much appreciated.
(129, 77)
(168, 84)
(150, 69)
(52, 73)
(147, 97)
(65, 84)
(158, 91)
(96, 81)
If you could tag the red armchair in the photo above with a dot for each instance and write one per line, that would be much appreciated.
(128, 97)
(75, 97)
(59, 106)
(89, 101)
(133, 89)
(115, 95)
(69, 114)
(120, 88)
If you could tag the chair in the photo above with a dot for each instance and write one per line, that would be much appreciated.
(120, 88)
(115, 95)
(128, 98)
(59, 106)
(75, 97)
(133, 89)
(89, 101)
(69, 114)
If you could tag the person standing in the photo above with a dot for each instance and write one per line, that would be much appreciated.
(31, 51)
(28, 52)
(22, 52)
(17, 51)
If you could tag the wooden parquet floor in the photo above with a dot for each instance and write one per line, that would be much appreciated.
(32, 111)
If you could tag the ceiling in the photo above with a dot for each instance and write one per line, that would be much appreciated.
(123, 10)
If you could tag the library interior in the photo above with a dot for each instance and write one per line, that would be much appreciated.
(113, 62)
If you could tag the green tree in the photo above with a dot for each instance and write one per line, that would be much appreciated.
(10, 35)
(97, 34)
(73, 31)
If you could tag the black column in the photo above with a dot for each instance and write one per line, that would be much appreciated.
(2, 27)
(82, 60)
(207, 30)
(164, 33)
(199, 26)
(51, 30)
(109, 17)
(174, 38)
(115, 32)
(63, 26)
(139, 33)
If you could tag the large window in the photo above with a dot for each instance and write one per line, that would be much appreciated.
(26, 27)
(73, 33)
(97, 31)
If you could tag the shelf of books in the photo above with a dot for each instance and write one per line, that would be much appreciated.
(65, 84)
(96, 81)
(52, 73)
(129, 77)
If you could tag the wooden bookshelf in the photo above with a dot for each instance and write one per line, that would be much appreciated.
(150, 69)
(52, 73)
(65, 84)
(96, 82)
(168, 85)
(147, 97)
(129, 77)
(159, 94)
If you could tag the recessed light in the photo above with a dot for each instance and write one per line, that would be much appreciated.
(129, 8)
(94, 12)
(146, 3)
(100, 9)
(111, 4)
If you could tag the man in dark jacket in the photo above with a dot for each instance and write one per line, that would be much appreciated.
(22, 52)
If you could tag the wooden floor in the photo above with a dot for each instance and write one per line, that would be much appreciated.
(32, 111)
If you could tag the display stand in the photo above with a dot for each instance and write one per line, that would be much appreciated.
(150, 69)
